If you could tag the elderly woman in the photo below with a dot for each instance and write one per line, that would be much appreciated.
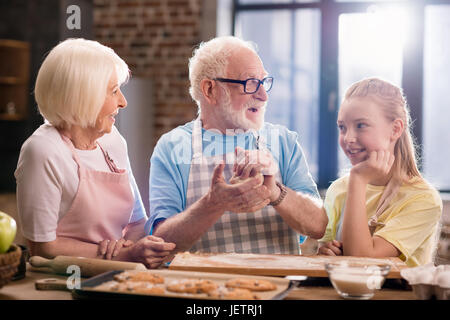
(76, 193)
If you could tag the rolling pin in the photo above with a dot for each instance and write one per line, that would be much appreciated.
(88, 267)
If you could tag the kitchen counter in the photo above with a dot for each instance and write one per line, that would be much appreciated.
(24, 289)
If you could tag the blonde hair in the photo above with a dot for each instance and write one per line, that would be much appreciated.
(394, 106)
(210, 61)
(72, 82)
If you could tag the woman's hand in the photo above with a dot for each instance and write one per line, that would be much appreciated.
(152, 251)
(377, 165)
(111, 248)
(331, 248)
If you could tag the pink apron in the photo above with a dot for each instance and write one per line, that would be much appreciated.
(102, 206)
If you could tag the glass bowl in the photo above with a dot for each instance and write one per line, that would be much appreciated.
(356, 281)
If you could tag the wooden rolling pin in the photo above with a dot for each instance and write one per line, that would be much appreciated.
(88, 267)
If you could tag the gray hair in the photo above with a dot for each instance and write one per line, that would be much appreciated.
(210, 60)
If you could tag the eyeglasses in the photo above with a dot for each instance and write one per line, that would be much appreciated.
(251, 85)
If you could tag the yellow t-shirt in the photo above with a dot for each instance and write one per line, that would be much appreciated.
(411, 221)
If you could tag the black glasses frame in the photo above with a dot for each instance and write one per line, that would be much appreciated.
(244, 83)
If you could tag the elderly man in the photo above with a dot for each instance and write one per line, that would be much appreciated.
(192, 202)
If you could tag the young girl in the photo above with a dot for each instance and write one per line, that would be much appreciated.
(383, 207)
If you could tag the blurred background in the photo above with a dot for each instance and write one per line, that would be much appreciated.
(313, 48)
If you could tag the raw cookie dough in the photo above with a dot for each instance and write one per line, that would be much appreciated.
(191, 286)
(135, 275)
(251, 284)
(233, 294)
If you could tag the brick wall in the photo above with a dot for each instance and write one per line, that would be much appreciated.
(156, 39)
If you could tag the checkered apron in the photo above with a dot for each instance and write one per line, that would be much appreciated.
(263, 231)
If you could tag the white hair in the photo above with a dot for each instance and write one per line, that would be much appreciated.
(210, 61)
(72, 82)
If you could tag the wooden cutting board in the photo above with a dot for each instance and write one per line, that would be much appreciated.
(273, 264)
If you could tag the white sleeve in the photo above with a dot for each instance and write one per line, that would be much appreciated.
(39, 191)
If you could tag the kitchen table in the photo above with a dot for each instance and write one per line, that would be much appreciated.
(24, 289)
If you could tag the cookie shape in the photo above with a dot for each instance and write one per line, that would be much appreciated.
(251, 284)
(140, 287)
(131, 287)
(191, 286)
(233, 294)
(136, 275)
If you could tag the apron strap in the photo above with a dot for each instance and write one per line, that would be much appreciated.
(260, 143)
(197, 145)
(72, 149)
(110, 162)
(388, 194)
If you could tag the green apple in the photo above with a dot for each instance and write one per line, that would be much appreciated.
(8, 230)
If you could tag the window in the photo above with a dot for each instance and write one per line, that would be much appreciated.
(274, 1)
(379, 51)
(263, 1)
(316, 48)
(367, 0)
(436, 100)
(288, 44)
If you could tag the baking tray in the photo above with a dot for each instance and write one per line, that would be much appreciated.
(87, 290)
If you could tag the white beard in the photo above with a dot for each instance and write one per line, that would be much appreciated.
(238, 118)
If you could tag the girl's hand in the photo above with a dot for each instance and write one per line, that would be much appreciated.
(152, 251)
(377, 165)
(111, 248)
(331, 248)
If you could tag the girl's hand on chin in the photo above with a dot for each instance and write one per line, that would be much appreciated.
(377, 165)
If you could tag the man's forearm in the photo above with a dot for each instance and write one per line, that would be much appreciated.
(303, 213)
(186, 227)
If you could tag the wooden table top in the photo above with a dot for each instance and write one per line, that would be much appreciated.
(275, 264)
(24, 289)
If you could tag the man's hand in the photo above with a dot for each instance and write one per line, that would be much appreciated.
(242, 197)
(151, 251)
(250, 163)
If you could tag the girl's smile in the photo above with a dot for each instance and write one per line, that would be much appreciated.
(356, 155)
